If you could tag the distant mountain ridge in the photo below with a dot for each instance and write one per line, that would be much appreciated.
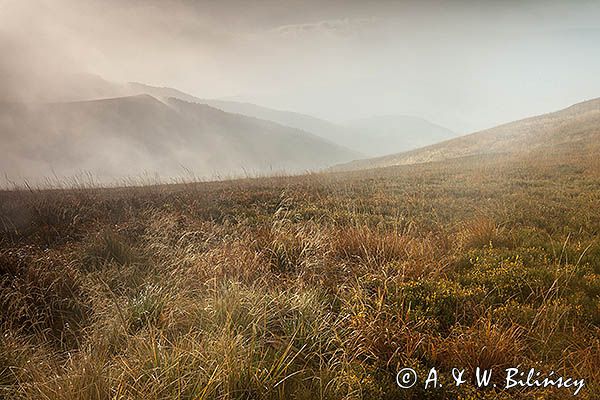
(128, 136)
(325, 129)
(577, 126)
(369, 137)
(381, 135)
(116, 130)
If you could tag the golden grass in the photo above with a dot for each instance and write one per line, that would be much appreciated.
(313, 287)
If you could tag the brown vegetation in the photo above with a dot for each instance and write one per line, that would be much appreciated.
(320, 286)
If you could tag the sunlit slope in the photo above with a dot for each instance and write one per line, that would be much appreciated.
(576, 128)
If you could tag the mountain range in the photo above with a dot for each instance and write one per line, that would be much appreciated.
(382, 135)
(133, 135)
(370, 137)
(576, 128)
(112, 130)
(146, 129)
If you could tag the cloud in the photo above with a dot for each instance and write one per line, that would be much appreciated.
(42, 51)
(44, 44)
(334, 59)
(337, 27)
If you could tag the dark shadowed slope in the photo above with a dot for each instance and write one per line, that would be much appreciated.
(381, 135)
(576, 128)
(135, 135)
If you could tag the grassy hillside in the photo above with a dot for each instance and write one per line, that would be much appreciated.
(575, 127)
(319, 286)
(129, 136)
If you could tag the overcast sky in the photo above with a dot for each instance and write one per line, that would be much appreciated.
(463, 64)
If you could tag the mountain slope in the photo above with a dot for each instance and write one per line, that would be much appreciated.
(307, 123)
(575, 128)
(370, 137)
(380, 135)
(129, 136)
(325, 129)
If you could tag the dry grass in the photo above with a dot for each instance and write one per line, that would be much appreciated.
(314, 287)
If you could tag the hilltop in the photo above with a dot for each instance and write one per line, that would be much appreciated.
(576, 128)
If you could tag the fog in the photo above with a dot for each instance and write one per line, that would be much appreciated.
(465, 65)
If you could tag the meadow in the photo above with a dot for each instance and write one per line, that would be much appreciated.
(321, 286)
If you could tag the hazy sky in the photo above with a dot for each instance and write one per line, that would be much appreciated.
(463, 64)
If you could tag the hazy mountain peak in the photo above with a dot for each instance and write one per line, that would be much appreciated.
(379, 135)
